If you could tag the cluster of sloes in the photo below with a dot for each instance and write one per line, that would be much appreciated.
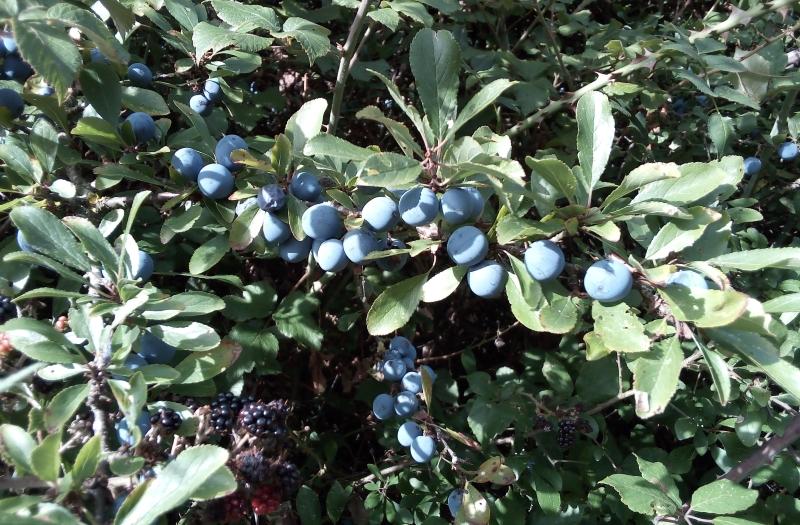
(214, 180)
(397, 366)
(787, 152)
(14, 68)
(203, 103)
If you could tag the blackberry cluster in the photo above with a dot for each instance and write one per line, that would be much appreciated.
(7, 309)
(266, 500)
(265, 420)
(224, 410)
(287, 477)
(566, 433)
(253, 467)
(166, 418)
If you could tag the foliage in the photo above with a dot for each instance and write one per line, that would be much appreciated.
(163, 362)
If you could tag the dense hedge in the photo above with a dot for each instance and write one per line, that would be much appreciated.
(407, 261)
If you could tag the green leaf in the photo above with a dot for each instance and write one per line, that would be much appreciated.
(208, 38)
(704, 308)
(482, 99)
(330, 146)
(18, 446)
(244, 18)
(18, 161)
(679, 234)
(389, 170)
(220, 484)
(306, 123)
(186, 335)
(723, 497)
(97, 130)
(486, 420)
(64, 405)
(655, 377)
(547, 484)
(556, 173)
(641, 176)
(657, 474)
(719, 372)
(313, 38)
(86, 462)
(559, 315)
(619, 329)
(697, 181)
(208, 254)
(336, 500)
(44, 143)
(595, 137)
(294, 210)
(761, 353)
(49, 50)
(475, 510)
(308, 506)
(748, 426)
(258, 300)
(46, 459)
(785, 303)
(39, 340)
(295, 318)
(94, 243)
(398, 130)
(752, 260)
(144, 100)
(200, 366)
(186, 304)
(199, 125)
(395, 305)
(175, 484)
(435, 60)
(640, 496)
(721, 131)
(185, 13)
(443, 284)
(422, 128)
(91, 26)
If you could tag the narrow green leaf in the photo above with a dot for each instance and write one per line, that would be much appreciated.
(435, 60)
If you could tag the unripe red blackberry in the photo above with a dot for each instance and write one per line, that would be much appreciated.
(5, 345)
(166, 418)
(266, 500)
(231, 509)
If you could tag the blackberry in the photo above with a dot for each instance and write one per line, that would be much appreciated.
(287, 476)
(224, 410)
(252, 467)
(166, 418)
(566, 433)
(266, 500)
(265, 420)
(543, 424)
(230, 509)
(7, 309)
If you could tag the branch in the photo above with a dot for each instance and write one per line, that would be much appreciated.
(765, 453)
(740, 17)
(605, 404)
(388, 470)
(345, 64)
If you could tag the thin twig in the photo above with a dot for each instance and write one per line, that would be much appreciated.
(605, 404)
(348, 52)
(388, 470)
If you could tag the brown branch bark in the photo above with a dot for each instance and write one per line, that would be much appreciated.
(765, 453)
